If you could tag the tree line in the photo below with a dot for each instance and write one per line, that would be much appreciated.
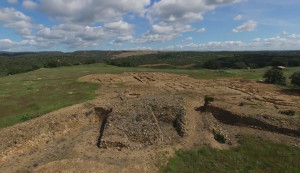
(214, 60)
(14, 63)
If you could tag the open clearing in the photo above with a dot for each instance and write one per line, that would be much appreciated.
(32, 94)
(139, 119)
(133, 53)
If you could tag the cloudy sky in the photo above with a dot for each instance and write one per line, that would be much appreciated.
(68, 25)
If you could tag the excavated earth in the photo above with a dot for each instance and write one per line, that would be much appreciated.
(138, 120)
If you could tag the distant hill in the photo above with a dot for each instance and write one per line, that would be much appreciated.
(211, 60)
(19, 62)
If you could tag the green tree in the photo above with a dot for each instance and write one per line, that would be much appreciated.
(240, 65)
(274, 76)
(279, 62)
(212, 64)
(295, 78)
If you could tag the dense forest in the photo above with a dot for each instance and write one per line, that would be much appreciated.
(13, 63)
(212, 60)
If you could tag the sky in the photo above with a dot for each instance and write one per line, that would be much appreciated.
(70, 25)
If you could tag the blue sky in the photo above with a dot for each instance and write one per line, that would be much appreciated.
(69, 25)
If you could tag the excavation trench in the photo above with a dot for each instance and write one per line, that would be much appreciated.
(230, 118)
(103, 116)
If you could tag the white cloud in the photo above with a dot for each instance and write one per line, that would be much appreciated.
(257, 40)
(119, 27)
(141, 48)
(285, 32)
(121, 39)
(161, 29)
(92, 22)
(170, 18)
(248, 26)
(18, 21)
(273, 43)
(294, 36)
(238, 18)
(201, 30)
(7, 44)
(23, 28)
(12, 1)
(29, 4)
(215, 45)
(11, 15)
(75, 35)
(188, 39)
(91, 11)
(163, 32)
(182, 11)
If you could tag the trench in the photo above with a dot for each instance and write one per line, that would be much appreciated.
(101, 132)
(178, 124)
(230, 118)
(103, 115)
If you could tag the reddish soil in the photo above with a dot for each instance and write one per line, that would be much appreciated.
(138, 120)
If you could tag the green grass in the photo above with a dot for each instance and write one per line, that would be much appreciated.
(42, 91)
(253, 155)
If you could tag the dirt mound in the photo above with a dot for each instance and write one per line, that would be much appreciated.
(138, 122)
(139, 119)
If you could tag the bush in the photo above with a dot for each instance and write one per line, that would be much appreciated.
(295, 78)
(274, 76)
(25, 118)
(253, 66)
(294, 63)
(52, 64)
(240, 65)
(278, 62)
(212, 64)
(208, 99)
(220, 138)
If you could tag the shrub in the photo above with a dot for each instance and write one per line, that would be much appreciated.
(274, 76)
(240, 65)
(25, 118)
(279, 62)
(295, 78)
(220, 138)
(294, 63)
(208, 99)
(212, 64)
(52, 64)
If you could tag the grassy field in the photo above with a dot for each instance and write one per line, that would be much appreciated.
(28, 95)
(253, 155)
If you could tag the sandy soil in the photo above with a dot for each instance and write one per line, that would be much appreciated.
(138, 120)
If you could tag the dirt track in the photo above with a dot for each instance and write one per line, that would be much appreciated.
(139, 119)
